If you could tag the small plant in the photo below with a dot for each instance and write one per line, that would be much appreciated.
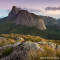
(7, 51)
(49, 52)
(58, 53)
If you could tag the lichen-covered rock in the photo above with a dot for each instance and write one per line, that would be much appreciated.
(22, 52)
(16, 44)
(19, 38)
(31, 46)
(4, 48)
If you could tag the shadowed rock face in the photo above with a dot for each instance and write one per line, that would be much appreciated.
(23, 17)
(49, 21)
(13, 13)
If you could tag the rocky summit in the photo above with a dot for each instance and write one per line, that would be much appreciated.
(23, 17)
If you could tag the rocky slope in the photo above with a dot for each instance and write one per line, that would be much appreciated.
(23, 17)
(27, 47)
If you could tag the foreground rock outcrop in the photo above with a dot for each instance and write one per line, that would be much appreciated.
(27, 50)
(23, 52)
(27, 47)
(23, 17)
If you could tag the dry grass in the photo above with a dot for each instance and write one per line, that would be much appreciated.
(49, 52)
(5, 42)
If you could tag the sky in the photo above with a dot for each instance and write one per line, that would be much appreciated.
(40, 7)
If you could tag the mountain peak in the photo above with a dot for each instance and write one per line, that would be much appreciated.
(13, 13)
(23, 17)
(14, 8)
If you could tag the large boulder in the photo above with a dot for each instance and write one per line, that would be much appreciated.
(22, 52)
(19, 38)
(17, 44)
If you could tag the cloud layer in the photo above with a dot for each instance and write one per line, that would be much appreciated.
(52, 8)
(33, 10)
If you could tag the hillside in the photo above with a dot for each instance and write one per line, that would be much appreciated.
(50, 33)
(16, 46)
(3, 19)
(49, 20)
(19, 24)
(59, 21)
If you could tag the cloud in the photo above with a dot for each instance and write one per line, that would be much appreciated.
(53, 12)
(33, 10)
(52, 8)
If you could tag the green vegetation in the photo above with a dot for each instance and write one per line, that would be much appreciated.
(49, 33)
(48, 51)
(59, 21)
(7, 51)
(52, 32)
(11, 39)
(3, 19)
(10, 31)
(7, 41)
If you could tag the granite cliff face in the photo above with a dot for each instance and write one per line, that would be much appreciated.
(23, 17)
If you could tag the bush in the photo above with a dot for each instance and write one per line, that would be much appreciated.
(7, 51)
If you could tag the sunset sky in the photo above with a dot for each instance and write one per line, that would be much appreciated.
(39, 7)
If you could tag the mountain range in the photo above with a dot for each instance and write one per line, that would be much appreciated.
(23, 17)
(21, 21)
